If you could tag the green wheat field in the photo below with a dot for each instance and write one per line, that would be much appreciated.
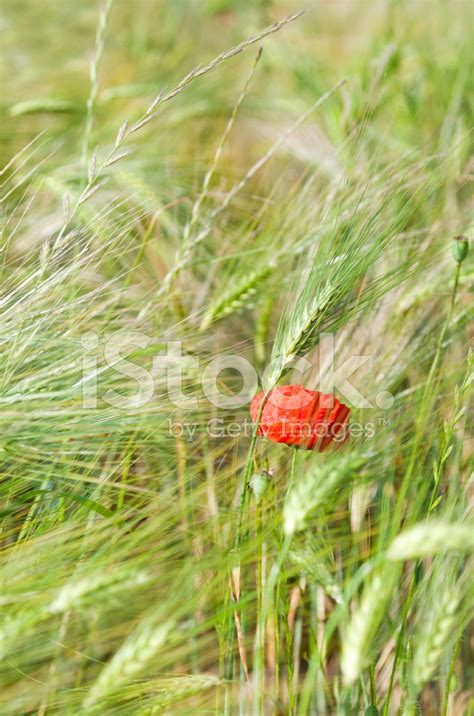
(201, 200)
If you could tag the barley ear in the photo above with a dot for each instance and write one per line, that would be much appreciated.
(365, 623)
(433, 636)
(130, 660)
(432, 537)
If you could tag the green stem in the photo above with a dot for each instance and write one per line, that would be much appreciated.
(430, 383)
(237, 543)
(292, 470)
(277, 649)
(414, 459)
(451, 671)
(399, 643)
(267, 599)
(373, 692)
(94, 79)
(247, 473)
(259, 665)
(292, 644)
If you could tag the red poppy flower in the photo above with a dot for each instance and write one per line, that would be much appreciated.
(301, 418)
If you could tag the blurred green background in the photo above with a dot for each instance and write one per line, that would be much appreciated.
(419, 48)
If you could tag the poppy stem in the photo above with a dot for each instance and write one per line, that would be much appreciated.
(292, 471)
(237, 543)
(247, 472)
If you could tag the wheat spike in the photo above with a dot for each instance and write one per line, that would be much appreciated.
(315, 489)
(237, 297)
(433, 636)
(315, 569)
(431, 537)
(129, 660)
(363, 627)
